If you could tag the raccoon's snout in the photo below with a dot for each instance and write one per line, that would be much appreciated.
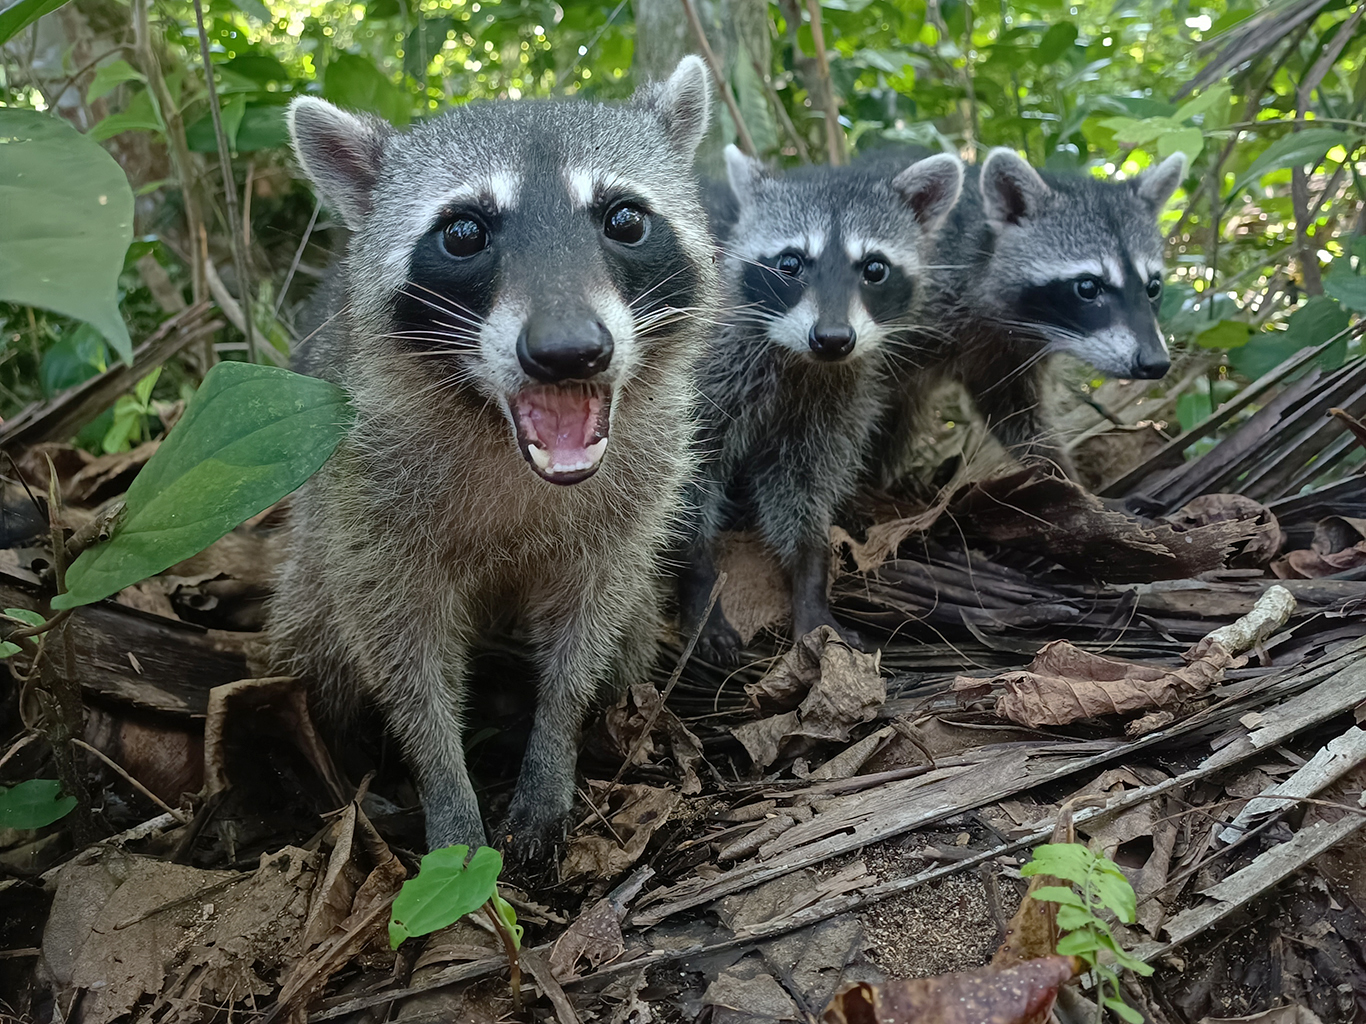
(831, 341)
(552, 349)
(1150, 366)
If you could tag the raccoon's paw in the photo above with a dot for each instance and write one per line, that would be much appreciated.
(530, 844)
(852, 637)
(719, 643)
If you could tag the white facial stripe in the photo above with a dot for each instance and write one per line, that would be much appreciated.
(616, 317)
(793, 329)
(1113, 274)
(1047, 273)
(586, 186)
(501, 186)
(905, 258)
(1150, 270)
(868, 334)
(758, 246)
(581, 186)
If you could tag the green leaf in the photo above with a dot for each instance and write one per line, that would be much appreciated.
(145, 386)
(355, 83)
(26, 615)
(17, 17)
(110, 77)
(138, 116)
(8, 649)
(254, 9)
(77, 356)
(1124, 1010)
(1192, 408)
(249, 436)
(33, 804)
(507, 913)
(1345, 286)
(1055, 42)
(1312, 324)
(1072, 918)
(1225, 334)
(1186, 140)
(1069, 861)
(263, 127)
(1079, 943)
(1294, 150)
(1114, 891)
(1206, 100)
(423, 43)
(444, 891)
(1059, 894)
(66, 218)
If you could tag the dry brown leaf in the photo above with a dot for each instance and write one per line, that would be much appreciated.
(1064, 684)
(843, 688)
(624, 725)
(594, 938)
(634, 813)
(1339, 544)
(1208, 509)
(1022, 994)
(1033, 932)
(1355, 425)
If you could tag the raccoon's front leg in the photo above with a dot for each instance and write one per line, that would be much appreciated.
(717, 641)
(420, 686)
(579, 643)
(810, 600)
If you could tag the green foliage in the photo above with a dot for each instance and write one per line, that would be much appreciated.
(1099, 888)
(249, 436)
(33, 804)
(446, 889)
(19, 16)
(131, 413)
(68, 219)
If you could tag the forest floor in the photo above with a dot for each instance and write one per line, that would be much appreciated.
(749, 841)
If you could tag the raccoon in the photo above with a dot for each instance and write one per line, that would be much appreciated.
(1037, 264)
(822, 270)
(516, 321)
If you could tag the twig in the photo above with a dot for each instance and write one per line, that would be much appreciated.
(239, 257)
(834, 135)
(741, 129)
(298, 256)
(178, 815)
(780, 111)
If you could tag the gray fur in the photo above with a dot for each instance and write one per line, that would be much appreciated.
(428, 529)
(1014, 245)
(786, 434)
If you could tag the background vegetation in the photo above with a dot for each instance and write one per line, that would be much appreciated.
(1267, 100)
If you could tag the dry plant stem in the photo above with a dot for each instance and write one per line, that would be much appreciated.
(780, 111)
(298, 257)
(510, 948)
(178, 815)
(239, 256)
(719, 77)
(179, 148)
(834, 134)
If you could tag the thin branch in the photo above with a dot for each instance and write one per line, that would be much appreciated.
(298, 255)
(239, 257)
(179, 816)
(834, 134)
(718, 76)
(780, 111)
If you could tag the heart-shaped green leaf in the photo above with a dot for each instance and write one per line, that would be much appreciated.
(250, 435)
(444, 891)
(33, 804)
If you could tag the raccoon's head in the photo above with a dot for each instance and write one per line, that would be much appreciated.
(829, 260)
(1079, 261)
(534, 258)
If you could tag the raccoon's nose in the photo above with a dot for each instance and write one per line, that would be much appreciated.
(552, 349)
(1150, 366)
(831, 341)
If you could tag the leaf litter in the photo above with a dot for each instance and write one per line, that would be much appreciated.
(770, 835)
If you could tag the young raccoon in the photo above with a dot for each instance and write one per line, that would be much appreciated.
(822, 269)
(514, 321)
(1038, 264)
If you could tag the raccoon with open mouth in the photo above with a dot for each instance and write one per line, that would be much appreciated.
(516, 320)
(823, 269)
(1037, 264)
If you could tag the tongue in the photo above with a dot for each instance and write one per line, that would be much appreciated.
(560, 426)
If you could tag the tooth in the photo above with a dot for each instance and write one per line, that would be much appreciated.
(539, 456)
(595, 451)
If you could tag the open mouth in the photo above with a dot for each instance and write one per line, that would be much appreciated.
(562, 429)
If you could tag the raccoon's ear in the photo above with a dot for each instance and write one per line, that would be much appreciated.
(930, 188)
(1012, 191)
(340, 152)
(744, 173)
(1156, 185)
(683, 103)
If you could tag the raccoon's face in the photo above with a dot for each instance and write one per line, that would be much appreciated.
(1079, 262)
(531, 257)
(828, 262)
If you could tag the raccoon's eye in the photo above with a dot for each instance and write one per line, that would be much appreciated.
(626, 224)
(465, 237)
(1087, 289)
(875, 271)
(789, 263)
(1155, 289)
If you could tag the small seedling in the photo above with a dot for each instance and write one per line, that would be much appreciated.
(1100, 886)
(450, 884)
